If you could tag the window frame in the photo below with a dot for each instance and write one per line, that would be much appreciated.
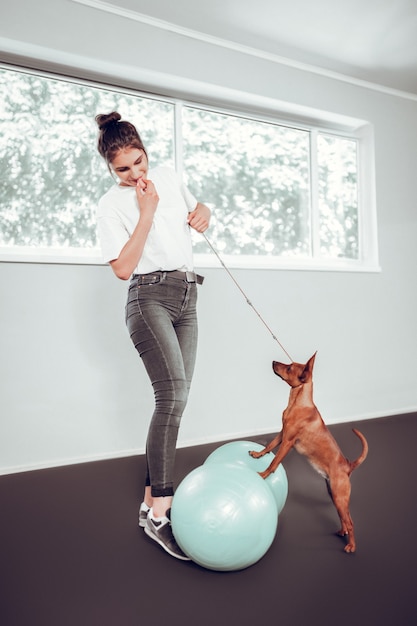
(245, 106)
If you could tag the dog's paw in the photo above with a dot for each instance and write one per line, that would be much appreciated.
(264, 474)
(255, 455)
(350, 548)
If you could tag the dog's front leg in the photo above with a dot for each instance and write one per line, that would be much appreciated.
(271, 445)
(285, 447)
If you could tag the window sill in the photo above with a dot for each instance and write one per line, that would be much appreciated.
(76, 256)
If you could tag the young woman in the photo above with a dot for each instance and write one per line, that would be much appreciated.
(144, 229)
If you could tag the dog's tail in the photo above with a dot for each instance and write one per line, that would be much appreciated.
(364, 453)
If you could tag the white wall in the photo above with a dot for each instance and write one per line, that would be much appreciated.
(71, 385)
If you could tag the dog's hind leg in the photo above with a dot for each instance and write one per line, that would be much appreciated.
(341, 498)
(329, 489)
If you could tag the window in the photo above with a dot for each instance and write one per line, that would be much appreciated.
(338, 196)
(257, 176)
(52, 175)
(282, 194)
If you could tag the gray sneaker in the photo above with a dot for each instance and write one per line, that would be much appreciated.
(143, 514)
(161, 532)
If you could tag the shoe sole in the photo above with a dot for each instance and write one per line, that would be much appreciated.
(164, 546)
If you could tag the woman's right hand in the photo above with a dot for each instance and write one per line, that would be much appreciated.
(131, 252)
(147, 197)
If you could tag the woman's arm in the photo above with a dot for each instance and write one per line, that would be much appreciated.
(132, 251)
(199, 219)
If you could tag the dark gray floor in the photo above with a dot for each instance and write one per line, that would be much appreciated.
(71, 553)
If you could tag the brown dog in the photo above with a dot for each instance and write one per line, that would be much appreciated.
(303, 428)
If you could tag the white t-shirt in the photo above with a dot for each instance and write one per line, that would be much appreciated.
(168, 245)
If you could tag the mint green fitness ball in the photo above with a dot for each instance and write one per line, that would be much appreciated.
(224, 517)
(237, 453)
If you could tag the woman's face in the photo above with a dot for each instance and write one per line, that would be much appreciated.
(130, 164)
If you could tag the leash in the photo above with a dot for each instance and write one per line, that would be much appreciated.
(245, 296)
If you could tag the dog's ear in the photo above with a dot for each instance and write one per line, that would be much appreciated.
(308, 369)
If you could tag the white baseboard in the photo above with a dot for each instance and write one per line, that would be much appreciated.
(187, 443)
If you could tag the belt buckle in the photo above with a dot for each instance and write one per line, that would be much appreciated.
(190, 277)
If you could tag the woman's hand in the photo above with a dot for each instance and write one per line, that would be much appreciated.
(199, 219)
(132, 251)
(147, 198)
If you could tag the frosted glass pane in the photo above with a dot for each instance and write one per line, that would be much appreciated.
(255, 176)
(52, 174)
(338, 197)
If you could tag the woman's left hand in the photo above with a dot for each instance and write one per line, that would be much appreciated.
(199, 219)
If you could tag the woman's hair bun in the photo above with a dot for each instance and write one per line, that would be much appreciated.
(106, 120)
(116, 134)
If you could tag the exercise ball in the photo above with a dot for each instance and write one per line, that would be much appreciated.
(224, 517)
(237, 453)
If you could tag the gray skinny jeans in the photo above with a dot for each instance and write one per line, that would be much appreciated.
(161, 318)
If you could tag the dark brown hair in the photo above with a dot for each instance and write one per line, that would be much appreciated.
(116, 134)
